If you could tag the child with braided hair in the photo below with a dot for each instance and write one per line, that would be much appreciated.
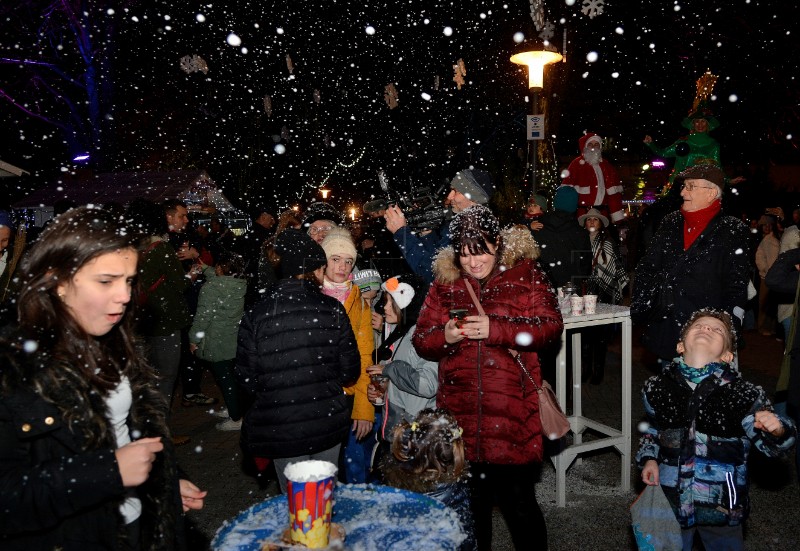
(428, 458)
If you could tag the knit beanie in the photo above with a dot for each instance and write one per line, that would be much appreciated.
(339, 242)
(5, 219)
(540, 200)
(367, 280)
(298, 252)
(475, 185)
(566, 199)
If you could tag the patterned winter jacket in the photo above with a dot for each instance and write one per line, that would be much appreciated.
(479, 381)
(701, 439)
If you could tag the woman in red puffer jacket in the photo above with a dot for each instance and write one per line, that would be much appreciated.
(480, 382)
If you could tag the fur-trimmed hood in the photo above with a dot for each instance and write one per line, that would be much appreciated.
(518, 245)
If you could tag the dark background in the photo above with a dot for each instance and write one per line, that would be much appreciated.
(128, 103)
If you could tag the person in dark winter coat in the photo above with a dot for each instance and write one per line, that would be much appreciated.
(698, 259)
(480, 381)
(86, 461)
(566, 253)
(784, 277)
(427, 457)
(296, 353)
(703, 420)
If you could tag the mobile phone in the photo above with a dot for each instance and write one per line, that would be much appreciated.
(458, 314)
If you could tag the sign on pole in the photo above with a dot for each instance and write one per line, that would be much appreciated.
(535, 127)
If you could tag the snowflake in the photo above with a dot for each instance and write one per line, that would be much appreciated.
(547, 31)
(193, 63)
(593, 8)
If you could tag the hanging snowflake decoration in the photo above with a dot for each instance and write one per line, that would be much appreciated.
(548, 31)
(317, 96)
(460, 71)
(193, 63)
(268, 105)
(289, 64)
(391, 96)
(593, 8)
(537, 14)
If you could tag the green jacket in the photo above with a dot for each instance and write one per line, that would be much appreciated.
(162, 307)
(219, 311)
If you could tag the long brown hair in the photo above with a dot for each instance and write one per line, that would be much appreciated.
(71, 241)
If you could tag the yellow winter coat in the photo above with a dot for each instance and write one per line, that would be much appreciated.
(361, 321)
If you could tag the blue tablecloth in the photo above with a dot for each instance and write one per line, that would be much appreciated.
(376, 518)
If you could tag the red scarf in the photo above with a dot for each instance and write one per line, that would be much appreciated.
(695, 222)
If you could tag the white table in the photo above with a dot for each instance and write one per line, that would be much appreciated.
(620, 439)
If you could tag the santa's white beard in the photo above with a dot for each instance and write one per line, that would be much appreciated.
(592, 156)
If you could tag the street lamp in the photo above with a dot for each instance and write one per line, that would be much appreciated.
(535, 57)
(324, 192)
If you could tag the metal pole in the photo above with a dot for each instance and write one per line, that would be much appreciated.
(534, 143)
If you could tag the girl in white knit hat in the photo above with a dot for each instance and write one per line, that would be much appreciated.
(341, 253)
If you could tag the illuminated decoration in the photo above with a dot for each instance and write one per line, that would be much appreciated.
(324, 192)
(658, 163)
(81, 158)
(311, 186)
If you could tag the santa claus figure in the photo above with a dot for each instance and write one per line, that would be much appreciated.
(595, 179)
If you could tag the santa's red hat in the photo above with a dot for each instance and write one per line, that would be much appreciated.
(583, 140)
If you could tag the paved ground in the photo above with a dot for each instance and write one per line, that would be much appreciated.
(596, 516)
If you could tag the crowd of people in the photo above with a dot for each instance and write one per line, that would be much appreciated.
(406, 356)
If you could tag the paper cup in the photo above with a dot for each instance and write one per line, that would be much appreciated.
(590, 304)
(310, 494)
(577, 305)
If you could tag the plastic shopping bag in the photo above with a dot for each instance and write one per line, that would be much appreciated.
(653, 522)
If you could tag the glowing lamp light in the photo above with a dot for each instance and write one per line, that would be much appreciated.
(324, 192)
(659, 164)
(81, 157)
(536, 60)
(352, 214)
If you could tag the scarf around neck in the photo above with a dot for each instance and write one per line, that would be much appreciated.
(695, 222)
(694, 374)
(339, 291)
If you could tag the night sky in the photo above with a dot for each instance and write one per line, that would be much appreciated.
(629, 71)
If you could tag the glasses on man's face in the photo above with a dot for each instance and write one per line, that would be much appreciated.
(314, 230)
(691, 187)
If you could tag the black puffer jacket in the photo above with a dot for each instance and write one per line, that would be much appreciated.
(566, 252)
(671, 284)
(60, 485)
(296, 353)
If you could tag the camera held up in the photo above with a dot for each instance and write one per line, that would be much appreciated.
(422, 207)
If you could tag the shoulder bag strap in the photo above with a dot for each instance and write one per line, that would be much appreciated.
(474, 297)
(511, 351)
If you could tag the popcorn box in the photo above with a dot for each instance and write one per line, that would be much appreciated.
(310, 495)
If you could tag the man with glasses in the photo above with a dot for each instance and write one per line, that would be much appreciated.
(319, 220)
(698, 258)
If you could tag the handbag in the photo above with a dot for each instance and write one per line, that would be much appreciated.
(554, 423)
(654, 523)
